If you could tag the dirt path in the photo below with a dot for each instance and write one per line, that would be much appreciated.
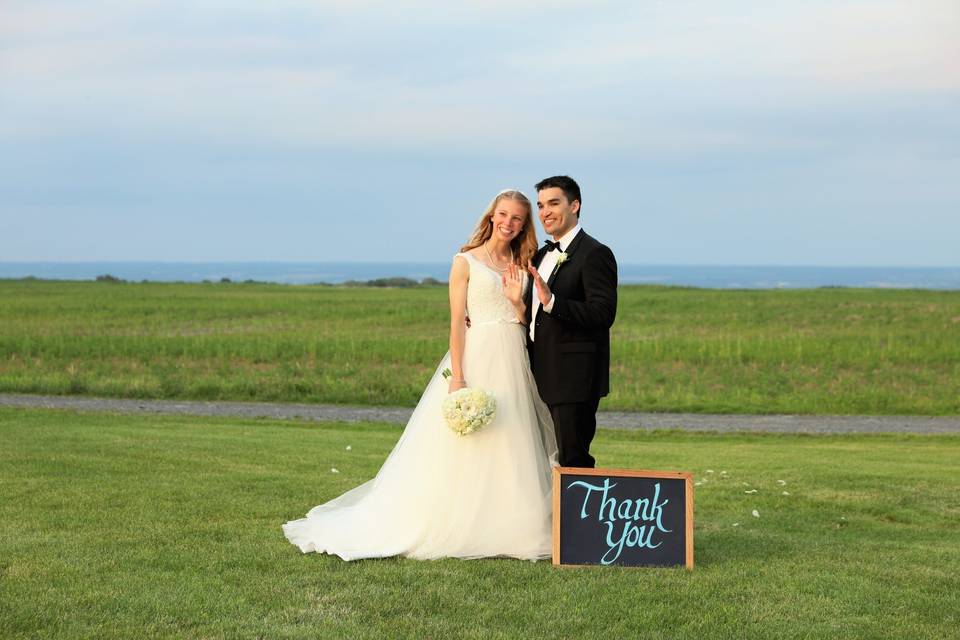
(399, 415)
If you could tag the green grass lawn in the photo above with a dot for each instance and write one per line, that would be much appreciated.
(157, 526)
(823, 351)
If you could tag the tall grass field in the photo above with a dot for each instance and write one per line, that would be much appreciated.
(821, 351)
(118, 526)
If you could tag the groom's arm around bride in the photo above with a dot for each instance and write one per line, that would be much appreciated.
(572, 306)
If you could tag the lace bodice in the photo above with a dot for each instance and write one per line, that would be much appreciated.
(485, 299)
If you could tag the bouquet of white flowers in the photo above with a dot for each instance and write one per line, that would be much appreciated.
(467, 410)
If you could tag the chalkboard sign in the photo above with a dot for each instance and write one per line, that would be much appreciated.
(622, 517)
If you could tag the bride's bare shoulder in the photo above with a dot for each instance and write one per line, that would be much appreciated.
(461, 263)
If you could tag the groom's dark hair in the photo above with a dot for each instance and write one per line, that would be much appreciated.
(566, 184)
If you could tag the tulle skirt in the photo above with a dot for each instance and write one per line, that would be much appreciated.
(443, 495)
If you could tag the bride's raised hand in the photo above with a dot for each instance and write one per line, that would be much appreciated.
(513, 284)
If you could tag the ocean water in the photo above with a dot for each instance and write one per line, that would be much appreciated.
(717, 277)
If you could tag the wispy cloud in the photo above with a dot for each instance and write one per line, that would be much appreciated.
(366, 71)
(863, 94)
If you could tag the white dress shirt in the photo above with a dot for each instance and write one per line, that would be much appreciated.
(545, 269)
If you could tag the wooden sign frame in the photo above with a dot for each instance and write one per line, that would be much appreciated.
(632, 473)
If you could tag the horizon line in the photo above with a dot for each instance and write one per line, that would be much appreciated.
(437, 262)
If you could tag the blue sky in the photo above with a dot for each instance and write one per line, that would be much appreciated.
(771, 132)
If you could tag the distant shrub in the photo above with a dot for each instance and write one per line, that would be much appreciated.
(392, 282)
(399, 283)
(109, 278)
(382, 282)
(226, 280)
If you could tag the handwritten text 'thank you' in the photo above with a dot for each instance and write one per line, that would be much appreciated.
(621, 517)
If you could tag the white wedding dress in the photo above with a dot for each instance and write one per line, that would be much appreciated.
(443, 495)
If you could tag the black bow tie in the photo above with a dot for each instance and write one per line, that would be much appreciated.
(551, 245)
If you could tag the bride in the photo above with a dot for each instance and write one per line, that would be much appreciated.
(443, 495)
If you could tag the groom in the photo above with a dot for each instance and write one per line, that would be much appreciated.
(571, 307)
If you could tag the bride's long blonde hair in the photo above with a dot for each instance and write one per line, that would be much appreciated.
(524, 245)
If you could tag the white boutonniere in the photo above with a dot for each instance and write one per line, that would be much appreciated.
(563, 257)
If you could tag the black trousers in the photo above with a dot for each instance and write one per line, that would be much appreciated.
(575, 424)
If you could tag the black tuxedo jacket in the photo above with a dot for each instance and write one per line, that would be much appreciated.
(570, 353)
